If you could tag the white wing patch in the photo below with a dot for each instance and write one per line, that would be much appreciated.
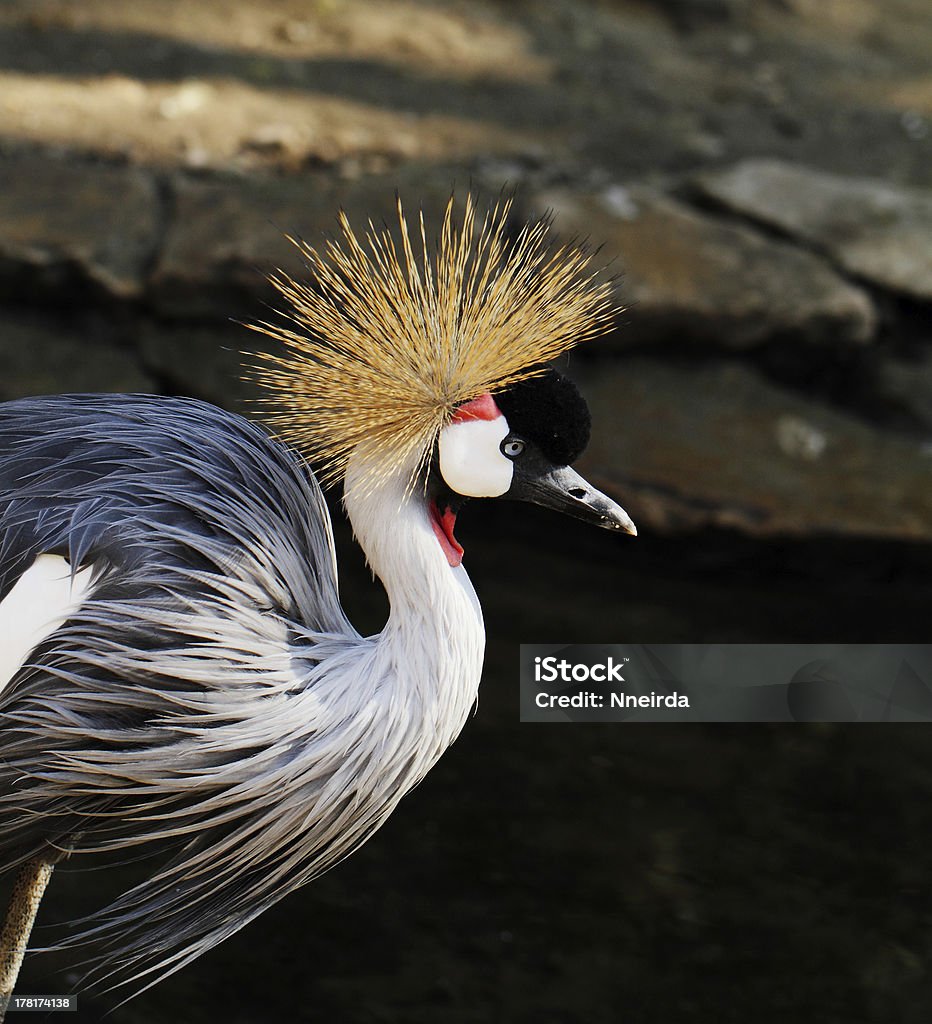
(42, 599)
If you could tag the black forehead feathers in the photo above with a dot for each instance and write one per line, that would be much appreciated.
(550, 411)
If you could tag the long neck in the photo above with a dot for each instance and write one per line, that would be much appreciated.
(430, 651)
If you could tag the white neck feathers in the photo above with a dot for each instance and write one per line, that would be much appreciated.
(432, 647)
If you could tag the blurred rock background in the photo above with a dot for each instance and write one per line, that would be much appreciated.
(759, 175)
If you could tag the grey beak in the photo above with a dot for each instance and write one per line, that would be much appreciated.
(563, 489)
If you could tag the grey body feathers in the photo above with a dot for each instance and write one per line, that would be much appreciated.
(197, 697)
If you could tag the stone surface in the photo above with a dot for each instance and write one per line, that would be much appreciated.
(73, 223)
(627, 86)
(40, 357)
(686, 446)
(871, 229)
(226, 236)
(690, 277)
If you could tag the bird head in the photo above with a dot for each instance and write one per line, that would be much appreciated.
(518, 444)
(429, 360)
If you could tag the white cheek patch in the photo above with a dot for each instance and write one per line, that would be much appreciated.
(471, 459)
(42, 599)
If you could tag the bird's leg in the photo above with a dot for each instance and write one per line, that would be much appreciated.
(30, 884)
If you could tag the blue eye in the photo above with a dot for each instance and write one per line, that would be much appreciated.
(512, 447)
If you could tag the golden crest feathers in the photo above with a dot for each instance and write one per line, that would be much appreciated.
(385, 341)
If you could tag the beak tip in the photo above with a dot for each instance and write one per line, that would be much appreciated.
(620, 521)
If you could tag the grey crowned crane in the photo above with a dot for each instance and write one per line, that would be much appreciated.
(175, 663)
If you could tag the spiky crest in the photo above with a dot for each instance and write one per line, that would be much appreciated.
(385, 344)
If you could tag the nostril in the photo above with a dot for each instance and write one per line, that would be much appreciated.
(577, 492)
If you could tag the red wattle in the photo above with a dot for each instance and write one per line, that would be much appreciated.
(443, 530)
